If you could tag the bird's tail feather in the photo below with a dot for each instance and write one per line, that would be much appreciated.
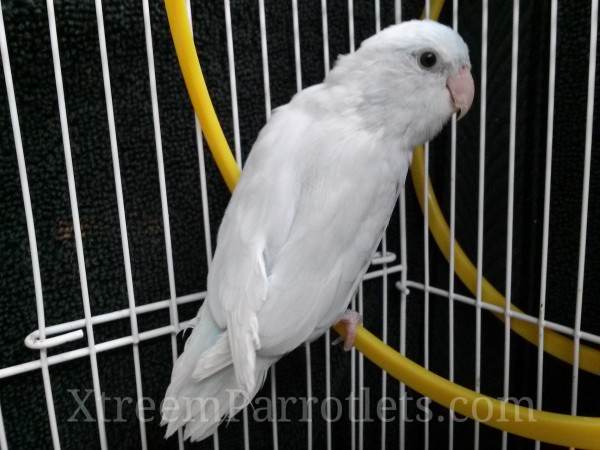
(214, 359)
(204, 388)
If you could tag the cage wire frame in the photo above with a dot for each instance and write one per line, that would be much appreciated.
(49, 336)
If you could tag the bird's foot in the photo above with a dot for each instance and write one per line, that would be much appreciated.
(350, 319)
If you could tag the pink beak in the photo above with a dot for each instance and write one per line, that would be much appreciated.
(462, 90)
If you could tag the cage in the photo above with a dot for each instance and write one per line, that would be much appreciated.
(111, 202)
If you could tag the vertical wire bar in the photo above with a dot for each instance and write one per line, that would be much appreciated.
(206, 223)
(384, 334)
(238, 158)
(174, 319)
(85, 295)
(403, 275)
(203, 192)
(326, 65)
(384, 279)
(127, 266)
(510, 208)
(274, 403)
(589, 122)
(122, 219)
(353, 388)
(426, 267)
(309, 414)
(328, 385)
(208, 246)
(298, 69)
(297, 54)
(121, 212)
(267, 91)
(426, 284)
(361, 378)
(426, 290)
(397, 11)
(265, 57)
(325, 33)
(37, 279)
(451, 251)
(83, 280)
(3, 443)
(480, 206)
(233, 84)
(202, 171)
(546, 219)
(353, 353)
(352, 48)
(351, 26)
(403, 296)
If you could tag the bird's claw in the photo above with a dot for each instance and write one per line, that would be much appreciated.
(350, 319)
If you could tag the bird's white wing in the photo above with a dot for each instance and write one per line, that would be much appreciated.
(339, 220)
(296, 233)
(254, 226)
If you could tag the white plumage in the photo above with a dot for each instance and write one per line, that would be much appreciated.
(310, 208)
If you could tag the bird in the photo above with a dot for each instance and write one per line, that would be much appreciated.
(311, 206)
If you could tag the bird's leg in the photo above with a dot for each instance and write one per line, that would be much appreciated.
(350, 319)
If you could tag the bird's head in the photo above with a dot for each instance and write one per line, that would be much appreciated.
(409, 78)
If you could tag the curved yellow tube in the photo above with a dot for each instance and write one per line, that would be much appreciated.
(555, 344)
(559, 429)
(183, 38)
(581, 432)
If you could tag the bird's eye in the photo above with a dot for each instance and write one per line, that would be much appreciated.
(427, 59)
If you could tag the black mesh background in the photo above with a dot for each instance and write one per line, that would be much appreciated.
(22, 397)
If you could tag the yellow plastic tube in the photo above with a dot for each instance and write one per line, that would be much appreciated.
(183, 38)
(580, 432)
(555, 344)
(560, 429)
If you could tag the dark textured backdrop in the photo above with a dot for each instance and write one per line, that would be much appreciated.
(22, 397)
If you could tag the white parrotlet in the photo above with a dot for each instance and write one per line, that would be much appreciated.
(310, 208)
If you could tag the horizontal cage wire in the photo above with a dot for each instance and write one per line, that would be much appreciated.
(112, 206)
